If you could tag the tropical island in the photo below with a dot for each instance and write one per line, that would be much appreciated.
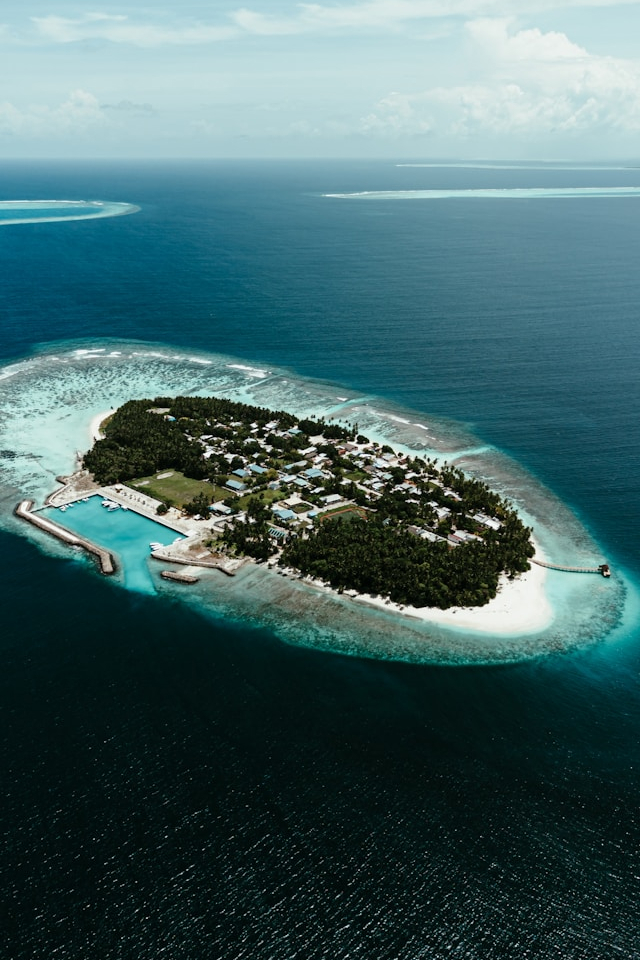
(317, 497)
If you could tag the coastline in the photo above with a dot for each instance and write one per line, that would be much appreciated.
(94, 426)
(520, 607)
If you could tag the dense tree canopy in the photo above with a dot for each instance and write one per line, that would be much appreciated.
(399, 551)
(374, 556)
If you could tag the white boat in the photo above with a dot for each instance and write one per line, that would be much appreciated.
(156, 546)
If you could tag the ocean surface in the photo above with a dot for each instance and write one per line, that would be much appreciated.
(249, 775)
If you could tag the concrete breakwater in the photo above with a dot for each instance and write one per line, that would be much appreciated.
(24, 511)
(230, 567)
(178, 577)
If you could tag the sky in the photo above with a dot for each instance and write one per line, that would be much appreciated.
(413, 79)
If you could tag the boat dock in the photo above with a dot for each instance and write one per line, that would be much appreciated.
(105, 557)
(603, 569)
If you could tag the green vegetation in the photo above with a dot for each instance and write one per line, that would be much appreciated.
(372, 556)
(401, 527)
(344, 513)
(176, 490)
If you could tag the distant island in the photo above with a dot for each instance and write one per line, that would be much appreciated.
(317, 497)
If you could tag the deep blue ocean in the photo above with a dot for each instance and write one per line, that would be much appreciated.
(186, 787)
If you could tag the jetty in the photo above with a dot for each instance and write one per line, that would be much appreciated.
(604, 569)
(24, 511)
(178, 576)
(229, 567)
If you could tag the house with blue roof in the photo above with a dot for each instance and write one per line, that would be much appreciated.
(283, 514)
(236, 485)
(313, 473)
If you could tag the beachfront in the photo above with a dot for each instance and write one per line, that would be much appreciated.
(520, 607)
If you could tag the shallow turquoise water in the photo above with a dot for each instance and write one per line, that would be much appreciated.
(51, 211)
(126, 533)
(184, 786)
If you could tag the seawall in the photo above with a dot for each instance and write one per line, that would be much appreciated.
(24, 511)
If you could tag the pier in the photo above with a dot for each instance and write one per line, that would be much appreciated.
(178, 577)
(24, 510)
(167, 556)
(603, 569)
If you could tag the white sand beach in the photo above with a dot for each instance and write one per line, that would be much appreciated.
(520, 607)
(94, 426)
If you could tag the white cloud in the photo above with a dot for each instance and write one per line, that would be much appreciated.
(380, 15)
(298, 18)
(529, 84)
(257, 23)
(119, 29)
(493, 35)
(79, 114)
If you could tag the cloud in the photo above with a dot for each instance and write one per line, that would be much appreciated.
(299, 18)
(529, 84)
(119, 29)
(128, 106)
(381, 15)
(79, 114)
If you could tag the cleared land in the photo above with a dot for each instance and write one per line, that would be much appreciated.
(176, 489)
(345, 513)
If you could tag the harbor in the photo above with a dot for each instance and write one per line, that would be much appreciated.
(106, 560)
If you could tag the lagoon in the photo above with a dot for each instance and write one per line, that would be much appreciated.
(126, 533)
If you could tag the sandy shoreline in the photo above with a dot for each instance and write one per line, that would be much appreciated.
(520, 607)
(94, 426)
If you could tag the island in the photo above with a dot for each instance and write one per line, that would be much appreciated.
(315, 497)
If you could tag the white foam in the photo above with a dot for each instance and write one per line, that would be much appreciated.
(49, 401)
(395, 419)
(250, 371)
(510, 193)
(540, 165)
(62, 210)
